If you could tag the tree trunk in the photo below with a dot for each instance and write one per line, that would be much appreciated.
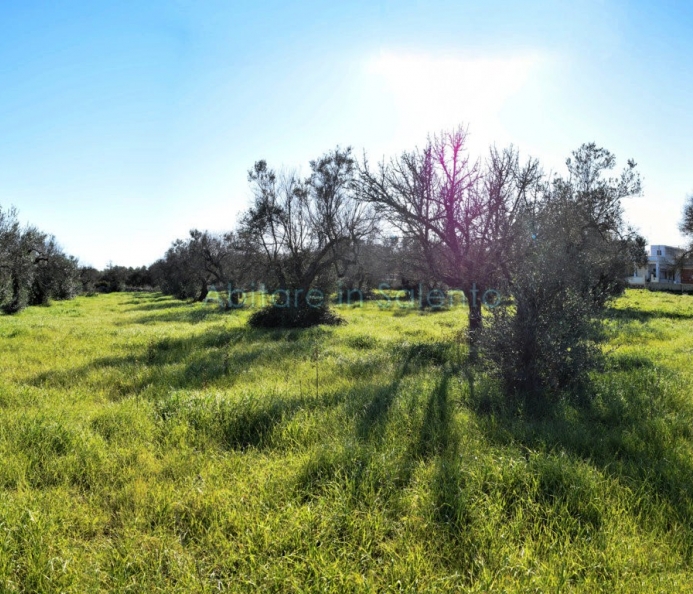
(16, 303)
(204, 290)
(475, 324)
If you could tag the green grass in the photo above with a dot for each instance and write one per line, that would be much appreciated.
(151, 445)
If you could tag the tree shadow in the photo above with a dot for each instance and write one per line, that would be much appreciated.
(239, 423)
(156, 306)
(635, 429)
(437, 433)
(371, 404)
(351, 463)
(215, 358)
(189, 314)
(632, 314)
(436, 438)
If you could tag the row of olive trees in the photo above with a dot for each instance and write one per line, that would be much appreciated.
(301, 239)
(555, 248)
(116, 278)
(298, 235)
(33, 267)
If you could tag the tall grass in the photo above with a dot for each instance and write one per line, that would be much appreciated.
(150, 445)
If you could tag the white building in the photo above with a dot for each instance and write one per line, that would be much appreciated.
(661, 267)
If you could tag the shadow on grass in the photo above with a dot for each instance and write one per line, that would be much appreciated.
(437, 434)
(369, 402)
(214, 358)
(374, 402)
(630, 314)
(637, 428)
(186, 313)
(358, 464)
(369, 406)
(238, 424)
(157, 305)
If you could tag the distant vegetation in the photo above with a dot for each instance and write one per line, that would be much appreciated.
(33, 267)
(34, 270)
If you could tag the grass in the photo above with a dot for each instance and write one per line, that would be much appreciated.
(149, 445)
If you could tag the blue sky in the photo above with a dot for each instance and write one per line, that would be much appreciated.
(124, 124)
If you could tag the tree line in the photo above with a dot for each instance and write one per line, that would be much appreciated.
(33, 267)
(553, 247)
(35, 270)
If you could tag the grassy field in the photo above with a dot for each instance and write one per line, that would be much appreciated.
(149, 445)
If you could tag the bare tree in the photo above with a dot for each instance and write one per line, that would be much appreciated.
(461, 212)
(304, 230)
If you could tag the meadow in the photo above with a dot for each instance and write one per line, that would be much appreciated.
(151, 445)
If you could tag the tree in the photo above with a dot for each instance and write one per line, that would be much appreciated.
(686, 225)
(175, 275)
(33, 268)
(638, 251)
(88, 278)
(139, 278)
(302, 231)
(219, 258)
(572, 256)
(20, 250)
(683, 260)
(56, 274)
(373, 263)
(462, 214)
(191, 266)
(113, 278)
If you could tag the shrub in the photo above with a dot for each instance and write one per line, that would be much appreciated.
(293, 317)
(544, 347)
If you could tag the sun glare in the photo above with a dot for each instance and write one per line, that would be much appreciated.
(431, 92)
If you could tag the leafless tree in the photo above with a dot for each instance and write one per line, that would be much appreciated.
(461, 212)
(304, 230)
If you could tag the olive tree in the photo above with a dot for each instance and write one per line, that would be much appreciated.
(20, 251)
(191, 266)
(571, 255)
(56, 275)
(33, 268)
(302, 231)
(686, 225)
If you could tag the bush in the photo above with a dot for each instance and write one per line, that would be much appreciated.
(293, 317)
(544, 347)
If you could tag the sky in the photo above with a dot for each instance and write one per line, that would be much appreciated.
(124, 124)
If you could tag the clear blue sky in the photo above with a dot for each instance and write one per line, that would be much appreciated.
(124, 124)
